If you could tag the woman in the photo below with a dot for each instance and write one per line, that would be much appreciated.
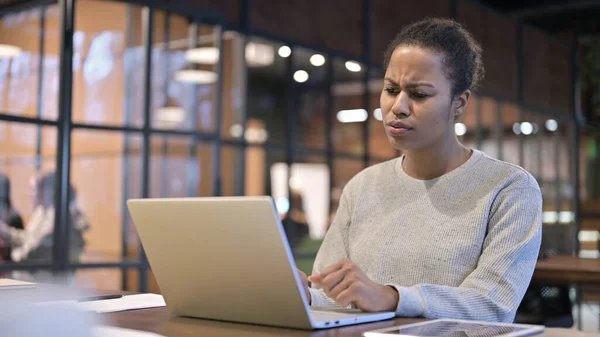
(34, 243)
(444, 231)
(9, 217)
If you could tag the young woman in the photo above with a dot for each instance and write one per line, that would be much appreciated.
(443, 231)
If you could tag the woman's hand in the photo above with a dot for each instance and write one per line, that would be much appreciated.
(345, 283)
(305, 284)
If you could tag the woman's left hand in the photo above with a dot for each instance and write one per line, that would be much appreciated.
(345, 283)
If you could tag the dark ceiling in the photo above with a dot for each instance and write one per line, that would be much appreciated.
(561, 17)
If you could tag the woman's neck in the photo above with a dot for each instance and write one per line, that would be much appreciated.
(433, 162)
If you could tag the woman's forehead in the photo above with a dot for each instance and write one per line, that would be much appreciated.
(412, 63)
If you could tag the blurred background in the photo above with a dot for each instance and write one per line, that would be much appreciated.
(102, 101)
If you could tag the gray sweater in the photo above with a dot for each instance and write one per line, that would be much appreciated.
(463, 245)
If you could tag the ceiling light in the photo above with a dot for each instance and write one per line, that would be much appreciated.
(300, 76)
(517, 128)
(526, 128)
(259, 54)
(256, 136)
(460, 129)
(317, 60)
(353, 66)
(551, 125)
(169, 116)
(377, 114)
(285, 51)
(236, 130)
(196, 76)
(7, 50)
(352, 116)
(202, 55)
(535, 128)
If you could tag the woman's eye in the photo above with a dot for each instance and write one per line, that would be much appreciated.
(419, 95)
(391, 91)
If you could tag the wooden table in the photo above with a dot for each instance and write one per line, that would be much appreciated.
(567, 269)
(159, 321)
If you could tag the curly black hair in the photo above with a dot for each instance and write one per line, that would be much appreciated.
(462, 54)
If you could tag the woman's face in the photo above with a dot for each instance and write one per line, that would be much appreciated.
(416, 101)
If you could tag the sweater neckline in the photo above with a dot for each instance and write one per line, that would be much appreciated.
(475, 156)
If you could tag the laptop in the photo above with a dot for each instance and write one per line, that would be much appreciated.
(227, 258)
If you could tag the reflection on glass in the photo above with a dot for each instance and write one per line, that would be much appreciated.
(349, 112)
(102, 197)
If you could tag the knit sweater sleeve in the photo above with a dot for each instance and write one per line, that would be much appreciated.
(494, 289)
(335, 243)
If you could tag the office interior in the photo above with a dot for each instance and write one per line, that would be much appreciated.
(148, 99)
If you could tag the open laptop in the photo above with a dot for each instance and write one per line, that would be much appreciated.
(227, 258)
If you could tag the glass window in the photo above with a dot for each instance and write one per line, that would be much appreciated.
(268, 88)
(380, 148)
(489, 122)
(349, 112)
(233, 170)
(26, 193)
(510, 140)
(468, 124)
(532, 143)
(179, 167)
(310, 95)
(25, 68)
(106, 170)
(234, 81)
(104, 52)
(185, 77)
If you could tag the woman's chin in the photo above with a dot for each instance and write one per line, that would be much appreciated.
(400, 145)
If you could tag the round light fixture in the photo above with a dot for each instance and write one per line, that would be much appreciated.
(517, 128)
(377, 114)
(284, 51)
(300, 76)
(526, 128)
(551, 125)
(317, 60)
(460, 129)
(353, 66)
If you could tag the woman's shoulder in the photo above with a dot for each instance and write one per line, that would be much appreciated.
(374, 174)
(508, 175)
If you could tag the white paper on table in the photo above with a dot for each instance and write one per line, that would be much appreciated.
(6, 283)
(111, 331)
(127, 302)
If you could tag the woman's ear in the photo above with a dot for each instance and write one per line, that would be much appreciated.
(459, 106)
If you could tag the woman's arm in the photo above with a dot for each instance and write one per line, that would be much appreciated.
(335, 244)
(494, 290)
